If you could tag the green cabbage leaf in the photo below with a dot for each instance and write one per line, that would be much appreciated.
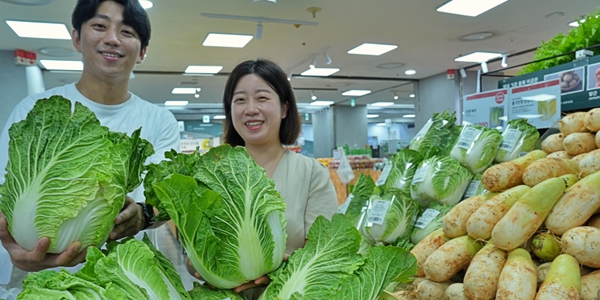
(390, 217)
(67, 176)
(476, 147)
(404, 164)
(518, 136)
(359, 197)
(430, 220)
(230, 217)
(200, 292)
(437, 136)
(440, 179)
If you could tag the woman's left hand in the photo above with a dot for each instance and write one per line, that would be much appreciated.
(129, 221)
(260, 281)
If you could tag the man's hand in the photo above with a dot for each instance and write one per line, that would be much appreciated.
(38, 258)
(129, 221)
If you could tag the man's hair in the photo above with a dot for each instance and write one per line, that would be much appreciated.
(134, 15)
(274, 76)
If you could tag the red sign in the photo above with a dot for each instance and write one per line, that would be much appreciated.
(500, 98)
(488, 95)
(25, 58)
(450, 74)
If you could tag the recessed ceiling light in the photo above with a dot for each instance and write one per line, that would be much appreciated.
(393, 65)
(189, 91)
(470, 8)
(356, 93)
(146, 4)
(410, 72)
(478, 57)
(372, 49)
(320, 71)
(219, 117)
(227, 40)
(381, 124)
(203, 69)
(38, 30)
(382, 104)
(477, 36)
(63, 65)
(576, 24)
(176, 103)
(408, 116)
(321, 103)
(372, 116)
(412, 95)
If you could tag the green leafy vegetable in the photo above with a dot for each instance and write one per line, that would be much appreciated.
(67, 175)
(400, 215)
(495, 115)
(440, 179)
(436, 137)
(476, 147)
(519, 136)
(230, 217)
(404, 165)
(200, 292)
(359, 198)
(429, 221)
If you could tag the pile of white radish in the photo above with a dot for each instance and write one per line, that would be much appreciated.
(535, 235)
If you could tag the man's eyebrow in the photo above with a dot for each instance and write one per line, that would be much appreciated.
(102, 16)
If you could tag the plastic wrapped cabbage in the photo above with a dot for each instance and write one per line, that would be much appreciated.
(390, 216)
(475, 187)
(429, 221)
(519, 136)
(440, 179)
(476, 147)
(437, 136)
(404, 165)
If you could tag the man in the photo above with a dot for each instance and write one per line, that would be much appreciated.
(112, 36)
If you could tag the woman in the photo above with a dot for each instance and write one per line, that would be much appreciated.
(261, 115)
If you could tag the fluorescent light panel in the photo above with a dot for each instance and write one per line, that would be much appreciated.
(176, 103)
(372, 116)
(227, 40)
(410, 72)
(321, 103)
(372, 49)
(38, 30)
(320, 71)
(380, 124)
(219, 117)
(382, 104)
(62, 65)
(356, 93)
(185, 90)
(478, 57)
(146, 4)
(203, 69)
(412, 95)
(409, 116)
(470, 8)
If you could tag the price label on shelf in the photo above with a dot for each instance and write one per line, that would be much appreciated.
(377, 212)
(427, 217)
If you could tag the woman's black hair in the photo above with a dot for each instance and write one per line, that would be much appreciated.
(274, 76)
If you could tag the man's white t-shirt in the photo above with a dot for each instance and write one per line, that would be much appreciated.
(159, 126)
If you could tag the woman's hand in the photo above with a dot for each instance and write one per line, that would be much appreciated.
(38, 258)
(129, 221)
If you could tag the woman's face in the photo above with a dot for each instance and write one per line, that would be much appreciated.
(256, 111)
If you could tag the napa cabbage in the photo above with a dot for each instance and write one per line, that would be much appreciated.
(429, 221)
(67, 176)
(440, 179)
(476, 147)
(230, 218)
(390, 216)
(202, 292)
(519, 136)
(357, 201)
(404, 165)
(437, 136)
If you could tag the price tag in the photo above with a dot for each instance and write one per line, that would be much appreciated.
(426, 218)
(378, 210)
(423, 130)
(5, 265)
(472, 189)
(467, 137)
(510, 139)
(384, 174)
(344, 207)
(421, 173)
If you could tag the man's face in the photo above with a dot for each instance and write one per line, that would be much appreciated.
(110, 49)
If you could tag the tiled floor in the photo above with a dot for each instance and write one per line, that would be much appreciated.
(162, 238)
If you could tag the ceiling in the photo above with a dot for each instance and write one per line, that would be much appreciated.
(428, 43)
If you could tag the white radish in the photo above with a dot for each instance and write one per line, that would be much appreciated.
(455, 221)
(597, 140)
(563, 280)
(572, 123)
(426, 246)
(481, 279)
(431, 290)
(518, 278)
(560, 154)
(553, 143)
(579, 142)
(583, 243)
(590, 285)
(450, 258)
(592, 120)
(547, 168)
(455, 292)
(590, 163)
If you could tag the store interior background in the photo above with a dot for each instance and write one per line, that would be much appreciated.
(294, 34)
